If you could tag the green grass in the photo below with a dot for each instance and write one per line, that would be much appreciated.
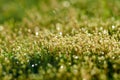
(59, 40)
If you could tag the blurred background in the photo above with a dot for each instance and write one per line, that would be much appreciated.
(56, 10)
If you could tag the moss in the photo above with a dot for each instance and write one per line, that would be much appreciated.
(59, 39)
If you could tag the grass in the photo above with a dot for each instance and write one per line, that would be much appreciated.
(59, 40)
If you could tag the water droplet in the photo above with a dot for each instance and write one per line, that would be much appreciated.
(36, 33)
(102, 57)
(29, 30)
(102, 53)
(89, 34)
(113, 27)
(76, 57)
(60, 33)
(33, 65)
(61, 66)
(69, 63)
(113, 57)
(101, 28)
(25, 54)
(36, 30)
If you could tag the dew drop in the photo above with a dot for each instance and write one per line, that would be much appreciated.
(36, 30)
(60, 33)
(89, 34)
(29, 30)
(113, 27)
(113, 57)
(33, 65)
(18, 47)
(61, 66)
(102, 53)
(102, 57)
(101, 28)
(76, 57)
(36, 33)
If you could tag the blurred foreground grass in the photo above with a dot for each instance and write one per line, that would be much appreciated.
(60, 40)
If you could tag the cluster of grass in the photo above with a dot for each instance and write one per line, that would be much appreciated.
(60, 40)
